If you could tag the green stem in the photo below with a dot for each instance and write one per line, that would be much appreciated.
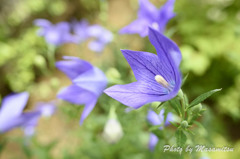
(51, 56)
(112, 112)
(183, 108)
(180, 94)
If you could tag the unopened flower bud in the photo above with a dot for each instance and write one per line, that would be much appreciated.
(196, 109)
(184, 124)
(112, 132)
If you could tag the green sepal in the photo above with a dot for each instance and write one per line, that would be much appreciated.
(175, 104)
(185, 98)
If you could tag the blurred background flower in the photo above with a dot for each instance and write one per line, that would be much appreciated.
(149, 15)
(88, 83)
(12, 115)
(160, 121)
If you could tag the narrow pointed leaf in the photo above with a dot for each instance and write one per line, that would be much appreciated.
(190, 132)
(174, 124)
(185, 98)
(198, 124)
(202, 97)
(161, 105)
(155, 127)
(184, 79)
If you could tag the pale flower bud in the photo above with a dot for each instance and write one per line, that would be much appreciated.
(112, 132)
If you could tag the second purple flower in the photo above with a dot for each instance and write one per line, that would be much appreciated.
(88, 83)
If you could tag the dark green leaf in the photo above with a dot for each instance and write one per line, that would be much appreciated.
(202, 97)
(2, 144)
(161, 104)
(27, 151)
(159, 133)
(181, 138)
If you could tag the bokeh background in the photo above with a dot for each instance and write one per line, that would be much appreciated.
(207, 32)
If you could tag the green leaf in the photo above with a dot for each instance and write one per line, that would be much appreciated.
(27, 151)
(181, 138)
(202, 97)
(155, 127)
(159, 133)
(190, 132)
(174, 124)
(161, 104)
(2, 145)
(175, 104)
(198, 124)
(184, 79)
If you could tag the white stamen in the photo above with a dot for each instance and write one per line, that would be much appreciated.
(161, 81)
(155, 25)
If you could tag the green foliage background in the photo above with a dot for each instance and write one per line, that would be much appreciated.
(207, 32)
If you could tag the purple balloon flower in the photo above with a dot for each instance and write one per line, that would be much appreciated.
(153, 140)
(75, 32)
(11, 112)
(80, 30)
(102, 37)
(57, 34)
(149, 15)
(88, 83)
(30, 125)
(158, 76)
(157, 119)
(46, 109)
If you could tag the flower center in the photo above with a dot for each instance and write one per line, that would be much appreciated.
(155, 25)
(162, 81)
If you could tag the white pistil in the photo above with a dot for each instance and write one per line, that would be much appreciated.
(161, 81)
